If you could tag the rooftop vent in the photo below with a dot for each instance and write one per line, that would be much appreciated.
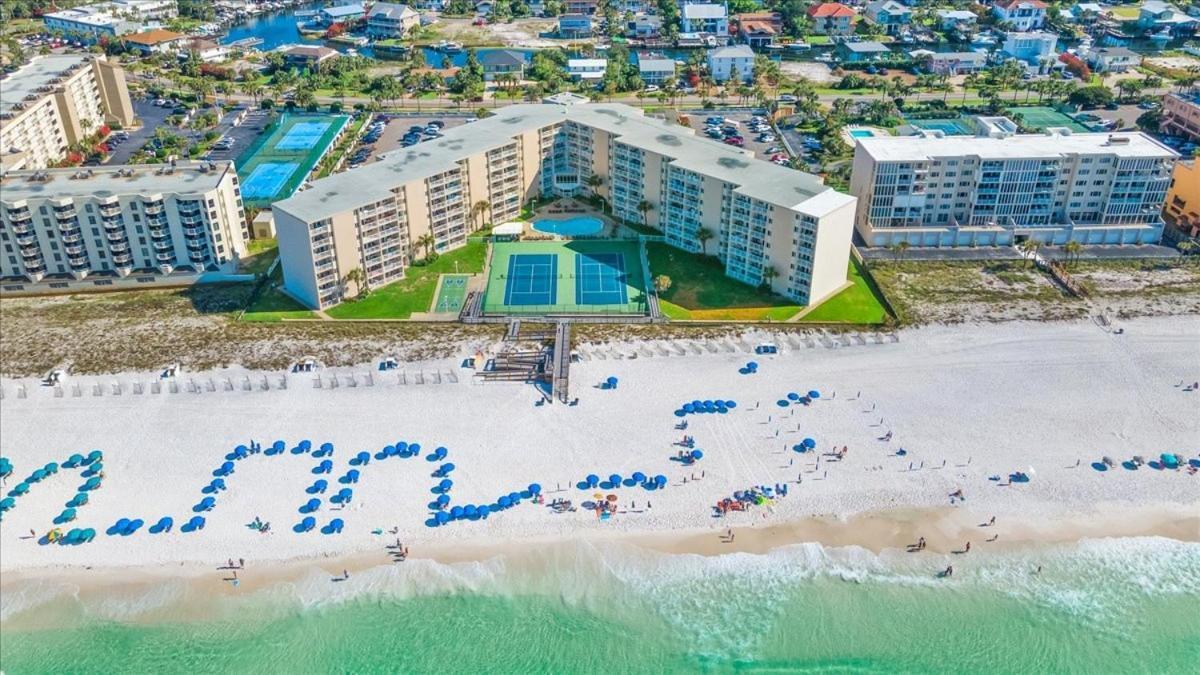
(1118, 140)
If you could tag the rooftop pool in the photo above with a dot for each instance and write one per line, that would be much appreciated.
(862, 133)
(576, 226)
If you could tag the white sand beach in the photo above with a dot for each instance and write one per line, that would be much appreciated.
(966, 403)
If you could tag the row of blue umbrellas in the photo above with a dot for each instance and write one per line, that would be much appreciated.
(592, 481)
(309, 523)
(443, 515)
(698, 407)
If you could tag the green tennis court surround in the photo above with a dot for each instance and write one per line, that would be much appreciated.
(276, 164)
(572, 277)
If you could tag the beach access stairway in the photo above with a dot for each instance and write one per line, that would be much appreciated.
(561, 362)
(517, 366)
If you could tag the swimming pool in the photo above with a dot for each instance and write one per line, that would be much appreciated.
(570, 227)
(862, 133)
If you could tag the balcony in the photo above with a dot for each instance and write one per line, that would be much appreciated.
(65, 214)
(191, 220)
(164, 258)
(71, 238)
(118, 247)
(31, 254)
(122, 259)
(197, 246)
(193, 231)
(116, 237)
(114, 228)
(163, 246)
(186, 212)
(110, 210)
(22, 228)
(152, 209)
(75, 250)
(160, 234)
(27, 240)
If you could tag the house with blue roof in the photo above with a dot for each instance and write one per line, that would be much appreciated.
(341, 14)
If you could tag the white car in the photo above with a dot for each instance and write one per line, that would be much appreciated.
(651, 88)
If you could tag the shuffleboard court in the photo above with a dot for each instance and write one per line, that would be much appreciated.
(452, 291)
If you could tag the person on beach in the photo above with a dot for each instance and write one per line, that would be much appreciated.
(921, 544)
(967, 549)
(992, 521)
(241, 563)
(345, 574)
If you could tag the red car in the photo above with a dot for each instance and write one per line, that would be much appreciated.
(735, 141)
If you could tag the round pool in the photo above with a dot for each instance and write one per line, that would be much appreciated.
(569, 227)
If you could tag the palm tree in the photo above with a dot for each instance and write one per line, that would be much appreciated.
(425, 241)
(1073, 249)
(768, 275)
(477, 209)
(704, 234)
(1029, 248)
(899, 248)
(1186, 247)
(662, 283)
(357, 277)
(253, 89)
(645, 207)
(593, 181)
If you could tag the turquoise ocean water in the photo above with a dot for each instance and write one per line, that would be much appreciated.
(1100, 606)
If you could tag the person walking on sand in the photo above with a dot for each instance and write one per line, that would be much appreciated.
(967, 548)
(992, 521)
(345, 574)
(921, 544)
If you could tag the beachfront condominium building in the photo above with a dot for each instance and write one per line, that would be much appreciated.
(1183, 199)
(55, 101)
(114, 221)
(934, 190)
(766, 223)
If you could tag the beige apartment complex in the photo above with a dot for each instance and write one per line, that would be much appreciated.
(769, 224)
(67, 224)
(55, 101)
(1181, 114)
(946, 191)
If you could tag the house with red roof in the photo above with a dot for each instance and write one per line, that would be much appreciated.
(832, 18)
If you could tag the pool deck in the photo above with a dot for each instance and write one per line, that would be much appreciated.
(562, 209)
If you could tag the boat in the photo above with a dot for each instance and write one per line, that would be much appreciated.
(448, 47)
(1162, 37)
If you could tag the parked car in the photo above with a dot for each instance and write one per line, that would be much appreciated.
(737, 141)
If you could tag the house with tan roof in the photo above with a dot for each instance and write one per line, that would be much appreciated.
(157, 41)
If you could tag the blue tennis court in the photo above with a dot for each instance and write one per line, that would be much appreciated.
(600, 279)
(266, 179)
(302, 136)
(532, 279)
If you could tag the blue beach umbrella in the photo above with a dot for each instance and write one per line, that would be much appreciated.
(814, 394)
(442, 517)
(456, 512)
(639, 476)
(484, 510)
(51, 468)
(133, 526)
(781, 403)
(793, 396)
(164, 524)
(809, 443)
(504, 502)
(534, 488)
(689, 408)
(697, 454)
(660, 479)
(443, 500)
(592, 480)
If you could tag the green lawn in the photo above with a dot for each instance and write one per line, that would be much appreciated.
(274, 305)
(859, 304)
(260, 253)
(415, 292)
(701, 291)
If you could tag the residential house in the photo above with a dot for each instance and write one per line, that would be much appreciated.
(328, 16)
(1024, 15)
(956, 19)
(1035, 49)
(889, 15)
(644, 26)
(735, 62)
(502, 62)
(951, 63)
(309, 56)
(205, 50)
(157, 41)
(832, 18)
(391, 20)
(587, 70)
(1087, 12)
(580, 7)
(1113, 59)
(1181, 115)
(1155, 15)
(704, 18)
(655, 69)
(862, 52)
(575, 26)
(759, 29)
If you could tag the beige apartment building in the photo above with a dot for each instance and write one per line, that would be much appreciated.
(55, 101)
(769, 224)
(1181, 114)
(932, 190)
(110, 222)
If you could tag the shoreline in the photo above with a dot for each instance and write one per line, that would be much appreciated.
(879, 533)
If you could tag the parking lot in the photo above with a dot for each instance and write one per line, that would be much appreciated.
(240, 137)
(151, 118)
(396, 126)
(741, 121)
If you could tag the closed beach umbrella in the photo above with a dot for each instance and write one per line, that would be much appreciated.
(781, 403)
(660, 479)
(730, 404)
(19, 489)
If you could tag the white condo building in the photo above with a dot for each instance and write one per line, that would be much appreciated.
(769, 223)
(109, 19)
(116, 221)
(933, 190)
(54, 101)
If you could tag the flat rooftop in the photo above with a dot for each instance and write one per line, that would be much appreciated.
(35, 75)
(917, 148)
(351, 189)
(146, 179)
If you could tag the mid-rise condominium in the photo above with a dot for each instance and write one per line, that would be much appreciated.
(767, 224)
(56, 101)
(933, 190)
(156, 219)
